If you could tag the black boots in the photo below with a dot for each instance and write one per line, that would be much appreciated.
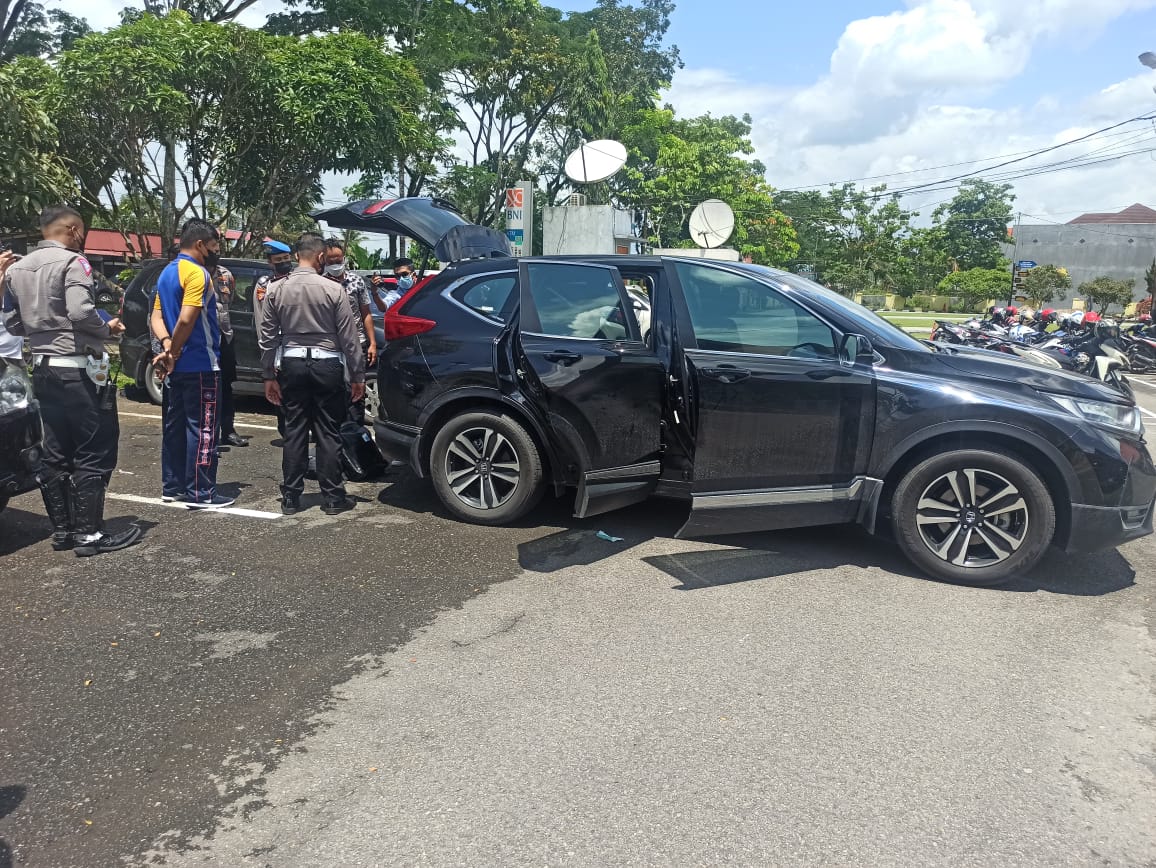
(89, 538)
(57, 494)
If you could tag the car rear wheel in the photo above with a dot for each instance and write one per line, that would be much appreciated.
(372, 400)
(973, 516)
(486, 468)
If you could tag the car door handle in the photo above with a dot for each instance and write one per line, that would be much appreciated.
(563, 357)
(827, 374)
(726, 373)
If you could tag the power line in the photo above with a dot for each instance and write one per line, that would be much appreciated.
(1040, 152)
(806, 187)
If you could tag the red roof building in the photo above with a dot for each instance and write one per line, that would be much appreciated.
(1134, 214)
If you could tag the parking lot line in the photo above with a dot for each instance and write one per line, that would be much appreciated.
(1147, 412)
(229, 510)
(239, 424)
(1144, 383)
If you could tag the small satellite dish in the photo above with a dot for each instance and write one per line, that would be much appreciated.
(595, 161)
(712, 223)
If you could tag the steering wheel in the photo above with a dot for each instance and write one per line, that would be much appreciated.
(811, 350)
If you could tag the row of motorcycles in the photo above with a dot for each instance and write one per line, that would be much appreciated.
(1082, 342)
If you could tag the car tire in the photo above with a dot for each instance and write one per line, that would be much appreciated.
(150, 383)
(1002, 528)
(506, 481)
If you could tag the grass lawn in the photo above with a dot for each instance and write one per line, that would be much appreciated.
(920, 321)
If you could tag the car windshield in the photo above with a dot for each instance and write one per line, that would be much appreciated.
(872, 325)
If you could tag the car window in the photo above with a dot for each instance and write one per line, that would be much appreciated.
(246, 279)
(734, 313)
(579, 301)
(488, 296)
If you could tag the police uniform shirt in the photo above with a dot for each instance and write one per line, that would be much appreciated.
(49, 300)
(310, 311)
(225, 285)
(185, 282)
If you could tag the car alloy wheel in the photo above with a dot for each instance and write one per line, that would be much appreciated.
(972, 518)
(154, 385)
(486, 468)
(372, 400)
(482, 468)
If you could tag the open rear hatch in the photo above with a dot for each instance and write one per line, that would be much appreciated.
(435, 223)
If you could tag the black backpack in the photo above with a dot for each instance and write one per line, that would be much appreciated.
(360, 457)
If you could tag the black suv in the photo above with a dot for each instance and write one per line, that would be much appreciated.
(761, 399)
(136, 355)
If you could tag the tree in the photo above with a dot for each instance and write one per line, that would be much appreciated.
(975, 222)
(31, 171)
(1104, 292)
(976, 285)
(1150, 282)
(27, 29)
(674, 164)
(1044, 282)
(252, 116)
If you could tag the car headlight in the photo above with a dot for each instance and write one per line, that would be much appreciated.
(15, 389)
(1119, 417)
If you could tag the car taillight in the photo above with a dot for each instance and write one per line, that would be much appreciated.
(396, 325)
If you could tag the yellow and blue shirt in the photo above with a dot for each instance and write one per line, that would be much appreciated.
(185, 282)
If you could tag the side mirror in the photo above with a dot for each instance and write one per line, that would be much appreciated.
(856, 350)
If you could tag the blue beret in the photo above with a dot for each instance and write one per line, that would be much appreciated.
(272, 247)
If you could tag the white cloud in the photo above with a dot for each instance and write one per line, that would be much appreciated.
(907, 91)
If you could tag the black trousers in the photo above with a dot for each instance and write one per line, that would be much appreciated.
(228, 376)
(81, 427)
(313, 400)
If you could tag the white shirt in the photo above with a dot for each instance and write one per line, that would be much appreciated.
(11, 346)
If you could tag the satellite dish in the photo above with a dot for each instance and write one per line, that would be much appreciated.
(595, 161)
(712, 223)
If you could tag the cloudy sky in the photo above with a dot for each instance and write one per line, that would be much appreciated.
(847, 89)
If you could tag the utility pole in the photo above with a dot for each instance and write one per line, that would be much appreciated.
(1011, 293)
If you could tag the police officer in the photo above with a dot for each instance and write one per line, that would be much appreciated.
(358, 292)
(281, 261)
(309, 319)
(50, 300)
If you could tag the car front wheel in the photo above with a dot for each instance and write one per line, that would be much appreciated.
(486, 468)
(973, 516)
(152, 385)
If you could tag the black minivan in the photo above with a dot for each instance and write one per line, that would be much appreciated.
(761, 399)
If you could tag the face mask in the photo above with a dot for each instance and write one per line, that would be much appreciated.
(283, 267)
(212, 259)
(335, 270)
(405, 282)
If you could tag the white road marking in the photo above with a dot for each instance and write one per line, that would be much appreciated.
(239, 424)
(1147, 412)
(1144, 383)
(229, 510)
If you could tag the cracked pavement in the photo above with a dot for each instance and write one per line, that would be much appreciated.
(389, 687)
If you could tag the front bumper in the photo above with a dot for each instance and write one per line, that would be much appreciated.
(20, 450)
(1127, 476)
(1104, 527)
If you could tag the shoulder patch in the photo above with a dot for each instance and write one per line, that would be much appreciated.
(262, 288)
(84, 263)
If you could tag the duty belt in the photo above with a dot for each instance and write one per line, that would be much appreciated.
(309, 353)
(60, 361)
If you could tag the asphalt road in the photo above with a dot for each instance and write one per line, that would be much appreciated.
(389, 687)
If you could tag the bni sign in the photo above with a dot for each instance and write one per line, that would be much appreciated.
(520, 217)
